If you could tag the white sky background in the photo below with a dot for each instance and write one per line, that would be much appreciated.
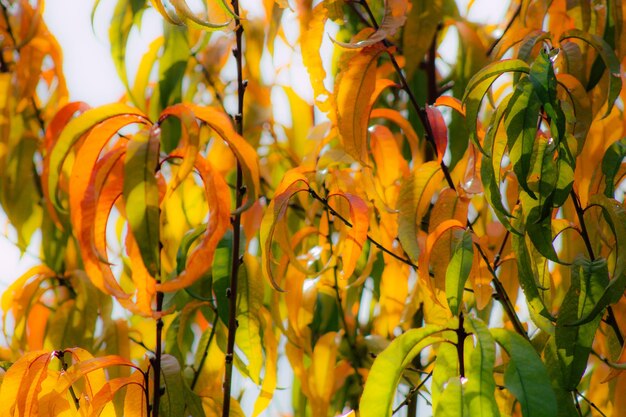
(91, 77)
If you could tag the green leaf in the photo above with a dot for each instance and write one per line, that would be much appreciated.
(125, 16)
(611, 164)
(173, 400)
(480, 385)
(19, 192)
(446, 367)
(608, 57)
(526, 376)
(249, 303)
(543, 173)
(490, 166)
(528, 281)
(141, 197)
(383, 379)
(478, 86)
(415, 195)
(458, 271)
(521, 129)
(453, 402)
(613, 289)
(538, 223)
(572, 338)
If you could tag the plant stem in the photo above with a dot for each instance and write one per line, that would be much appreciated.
(506, 29)
(411, 396)
(355, 360)
(156, 395)
(583, 228)
(349, 224)
(460, 344)
(205, 353)
(61, 356)
(236, 221)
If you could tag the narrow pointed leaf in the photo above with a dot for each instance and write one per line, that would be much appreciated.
(355, 87)
(383, 379)
(458, 271)
(526, 376)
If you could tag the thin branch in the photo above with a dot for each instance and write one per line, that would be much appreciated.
(506, 29)
(349, 224)
(583, 228)
(156, 361)
(231, 292)
(356, 361)
(410, 397)
(612, 321)
(60, 354)
(205, 353)
(591, 404)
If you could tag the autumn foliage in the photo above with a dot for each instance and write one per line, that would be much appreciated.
(300, 208)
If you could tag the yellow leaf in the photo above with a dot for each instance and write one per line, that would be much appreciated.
(271, 357)
(356, 84)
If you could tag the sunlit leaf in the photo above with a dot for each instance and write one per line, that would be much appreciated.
(415, 196)
(383, 379)
(353, 93)
(394, 18)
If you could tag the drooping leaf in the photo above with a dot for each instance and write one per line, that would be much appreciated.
(611, 164)
(72, 133)
(526, 376)
(173, 399)
(528, 280)
(141, 196)
(191, 18)
(292, 183)
(245, 153)
(383, 379)
(218, 198)
(271, 357)
(353, 91)
(479, 389)
(356, 235)
(574, 337)
(458, 271)
(521, 129)
(415, 196)
(478, 86)
(608, 57)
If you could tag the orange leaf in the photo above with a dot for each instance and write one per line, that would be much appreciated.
(356, 84)
(293, 182)
(245, 153)
(201, 259)
(22, 382)
(357, 235)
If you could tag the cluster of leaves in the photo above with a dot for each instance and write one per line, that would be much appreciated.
(416, 232)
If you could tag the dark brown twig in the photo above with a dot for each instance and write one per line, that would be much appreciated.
(236, 221)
